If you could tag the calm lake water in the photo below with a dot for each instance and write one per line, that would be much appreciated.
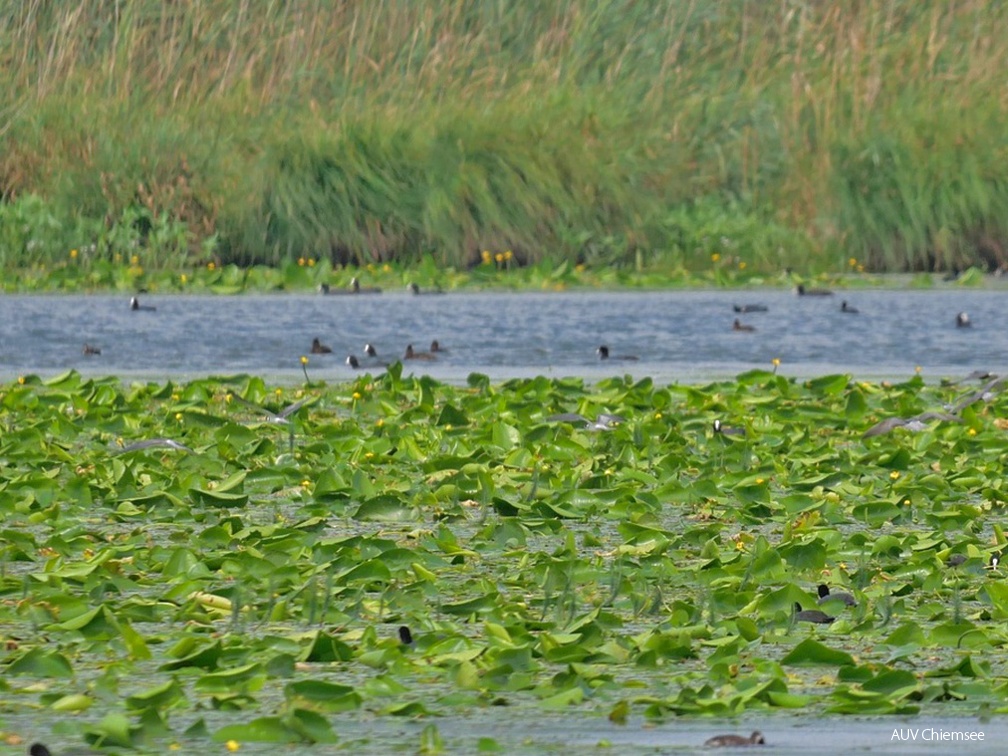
(677, 335)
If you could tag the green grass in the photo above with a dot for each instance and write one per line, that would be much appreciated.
(251, 589)
(631, 134)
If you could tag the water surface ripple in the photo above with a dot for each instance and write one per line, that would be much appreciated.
(677, 335)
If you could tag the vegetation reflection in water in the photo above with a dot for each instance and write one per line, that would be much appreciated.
(229, 587)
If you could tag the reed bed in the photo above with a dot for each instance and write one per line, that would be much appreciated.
(607, 133)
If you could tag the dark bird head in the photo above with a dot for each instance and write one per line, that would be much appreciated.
(602, 352)
(405, 636)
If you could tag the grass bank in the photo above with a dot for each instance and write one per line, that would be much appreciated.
(646, 135)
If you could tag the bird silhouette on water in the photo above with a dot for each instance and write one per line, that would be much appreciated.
(735, 741)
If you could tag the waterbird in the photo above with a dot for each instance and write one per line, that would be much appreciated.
(317, 347)
(411, 354)
(844, 307)
(825, 596)
(281, 417)
(963, 320)
(356, 288)
(90, 350)
(955, 560)
(278, 418)
(603, 422)
(39, 749)
(135, 305)
(415, 290)
(735, 741)
(749, 308)
(436, 347)
(801, 291)
(352, 361)
(603, 354)
(995, 560)
(148, 443)
(985, 393)
(371, 354)
(811, 615)
(405, 636)
(916, 423)
(738, 325)
(724, 430)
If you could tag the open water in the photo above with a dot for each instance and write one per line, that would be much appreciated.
(675, 335)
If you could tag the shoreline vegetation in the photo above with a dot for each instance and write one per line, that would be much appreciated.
(656, 138)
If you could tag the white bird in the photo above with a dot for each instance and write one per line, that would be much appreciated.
(168, 443)
(281, 417)
(603, 422)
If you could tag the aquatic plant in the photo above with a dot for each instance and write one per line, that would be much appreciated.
(250, 581)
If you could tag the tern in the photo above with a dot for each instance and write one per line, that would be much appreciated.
(603, 422)
(149, 443)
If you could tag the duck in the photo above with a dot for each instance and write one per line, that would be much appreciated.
(90, 350)
(413, 289)
(844, 307)
(955, 560)
(738, 325)
(356, 287)
(801, 291)
(749, 308)
(825, 597)
(352, 361)
(603, 354)
(371, 355)
(724, 430)
(317, 347)
(963, 320)
(411, 354)
(436, 347)
(735, 741)
(135, 305)
(811, 615)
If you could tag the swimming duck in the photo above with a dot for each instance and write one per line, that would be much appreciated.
(414, 355)
(963, 320)
(603, 354)
(738, 325)
(352, 361)
(811, 615)
(844, 307)
(801, 291)
(371, 355)
(735, 741)
(826, 597)
(317, 347)
(90, 350)
(413, 289)
(724, 430)
(603, 422)
(356, 288)
(749, 308)
(135, 305)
